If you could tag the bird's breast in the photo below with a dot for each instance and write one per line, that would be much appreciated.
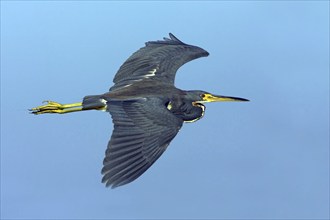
(188, 112)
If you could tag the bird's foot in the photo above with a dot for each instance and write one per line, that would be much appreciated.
(55, 107)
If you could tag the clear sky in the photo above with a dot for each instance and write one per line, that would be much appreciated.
(268, 158)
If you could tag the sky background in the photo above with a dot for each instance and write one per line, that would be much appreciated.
(268, 158)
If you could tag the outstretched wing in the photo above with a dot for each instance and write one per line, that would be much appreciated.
(142, 131)
(158, 60)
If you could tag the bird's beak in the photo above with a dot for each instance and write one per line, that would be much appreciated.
(219, 98)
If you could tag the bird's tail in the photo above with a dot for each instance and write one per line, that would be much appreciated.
(94, 102)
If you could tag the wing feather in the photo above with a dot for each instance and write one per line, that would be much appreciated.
(142, 131)
(158, 60)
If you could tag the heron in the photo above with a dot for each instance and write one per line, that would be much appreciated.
(147, 109)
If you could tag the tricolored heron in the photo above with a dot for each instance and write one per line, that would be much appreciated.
(147, 109)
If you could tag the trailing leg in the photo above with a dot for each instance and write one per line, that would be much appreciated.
(55, 107)
(94, 102)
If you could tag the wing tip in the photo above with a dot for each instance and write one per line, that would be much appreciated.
(172, 40)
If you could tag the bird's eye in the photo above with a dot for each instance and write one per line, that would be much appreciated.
(203, 95)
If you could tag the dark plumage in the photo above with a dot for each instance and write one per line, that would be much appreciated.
(147, 109)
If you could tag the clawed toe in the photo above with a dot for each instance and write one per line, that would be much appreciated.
(49, 107)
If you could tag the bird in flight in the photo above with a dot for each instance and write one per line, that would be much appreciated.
(147, 109)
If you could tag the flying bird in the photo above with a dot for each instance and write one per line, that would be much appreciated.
(147, 109)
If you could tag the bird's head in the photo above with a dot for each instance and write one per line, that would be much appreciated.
(193, 109)
(199, 97)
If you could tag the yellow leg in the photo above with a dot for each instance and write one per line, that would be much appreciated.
(55, 107)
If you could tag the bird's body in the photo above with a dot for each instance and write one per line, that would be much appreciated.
(175, 100)
(147, 109)
(144, 88)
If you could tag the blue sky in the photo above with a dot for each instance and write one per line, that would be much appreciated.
(268, 158)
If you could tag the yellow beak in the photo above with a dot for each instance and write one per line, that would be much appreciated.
(215, 98)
